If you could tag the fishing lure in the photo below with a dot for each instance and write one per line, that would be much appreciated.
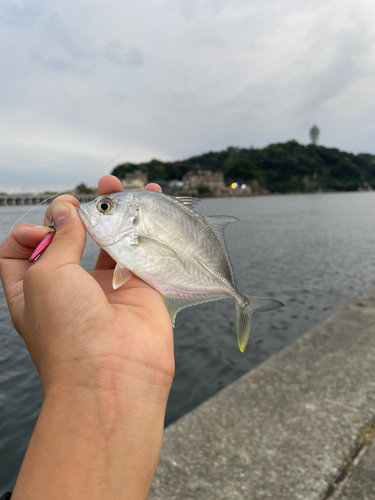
(46, 241)
(49, 237)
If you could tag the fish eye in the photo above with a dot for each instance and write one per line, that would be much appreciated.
(105, 206)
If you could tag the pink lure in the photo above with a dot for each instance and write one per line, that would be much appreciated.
(42, 246)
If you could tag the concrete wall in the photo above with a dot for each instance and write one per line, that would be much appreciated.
(282, 431)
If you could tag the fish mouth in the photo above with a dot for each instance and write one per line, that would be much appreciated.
(84, 218)
(81, 214)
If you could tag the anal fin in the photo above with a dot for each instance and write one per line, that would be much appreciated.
(175, 304)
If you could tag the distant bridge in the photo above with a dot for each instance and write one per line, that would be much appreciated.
(34, 199)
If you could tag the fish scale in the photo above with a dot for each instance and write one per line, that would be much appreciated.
(164, 241)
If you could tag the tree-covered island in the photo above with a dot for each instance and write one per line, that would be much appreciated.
(287, 167)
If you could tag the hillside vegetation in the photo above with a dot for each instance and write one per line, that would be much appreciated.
(283, 168)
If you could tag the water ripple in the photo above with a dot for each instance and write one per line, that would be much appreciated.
(313, 252)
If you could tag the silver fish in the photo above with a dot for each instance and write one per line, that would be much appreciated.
(163, 241)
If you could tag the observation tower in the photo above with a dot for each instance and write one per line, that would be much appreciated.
(314, 134)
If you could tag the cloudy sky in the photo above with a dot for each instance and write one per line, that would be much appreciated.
(81, 81)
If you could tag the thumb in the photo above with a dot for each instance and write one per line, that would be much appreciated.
(69, 241)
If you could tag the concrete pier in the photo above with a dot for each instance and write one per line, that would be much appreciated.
(362, 483)
(288, 429)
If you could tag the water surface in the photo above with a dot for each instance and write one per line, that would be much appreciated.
(312, 252)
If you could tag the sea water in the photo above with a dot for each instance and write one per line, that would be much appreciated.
(315, 253)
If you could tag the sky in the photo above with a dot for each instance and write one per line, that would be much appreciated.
(83, 82)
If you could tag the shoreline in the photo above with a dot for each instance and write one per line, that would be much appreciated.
(284, 429)
(284, 194)
(201, 197)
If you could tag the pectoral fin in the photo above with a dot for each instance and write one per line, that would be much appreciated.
(160, 245)
(154, 241)
(120, 276)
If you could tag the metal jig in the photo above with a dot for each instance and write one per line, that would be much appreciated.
(44, 243)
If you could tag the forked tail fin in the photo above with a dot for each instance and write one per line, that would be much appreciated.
(244, 312)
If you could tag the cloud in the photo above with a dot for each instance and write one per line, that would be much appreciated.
(344, 60)
(116, 53)
(20, 15)
(55, 63)
(62, 47)
(177, 78)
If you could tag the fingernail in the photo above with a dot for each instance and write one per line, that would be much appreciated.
(59, 212)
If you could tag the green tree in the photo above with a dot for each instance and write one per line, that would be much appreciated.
(238, 167)
(82, 188)
(282, 167)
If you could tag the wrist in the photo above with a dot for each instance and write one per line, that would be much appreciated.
(106, 443)
(106, 413)
(117, 381)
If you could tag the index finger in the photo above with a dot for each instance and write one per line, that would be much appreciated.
(14, 254)
(21, 242)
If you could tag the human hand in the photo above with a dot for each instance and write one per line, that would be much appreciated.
(73, 322)
(105, 359)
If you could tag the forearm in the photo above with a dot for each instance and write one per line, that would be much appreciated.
(89, 445)
(105, 358)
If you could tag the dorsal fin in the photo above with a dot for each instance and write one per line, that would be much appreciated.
(188, 201)
(218, 223)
